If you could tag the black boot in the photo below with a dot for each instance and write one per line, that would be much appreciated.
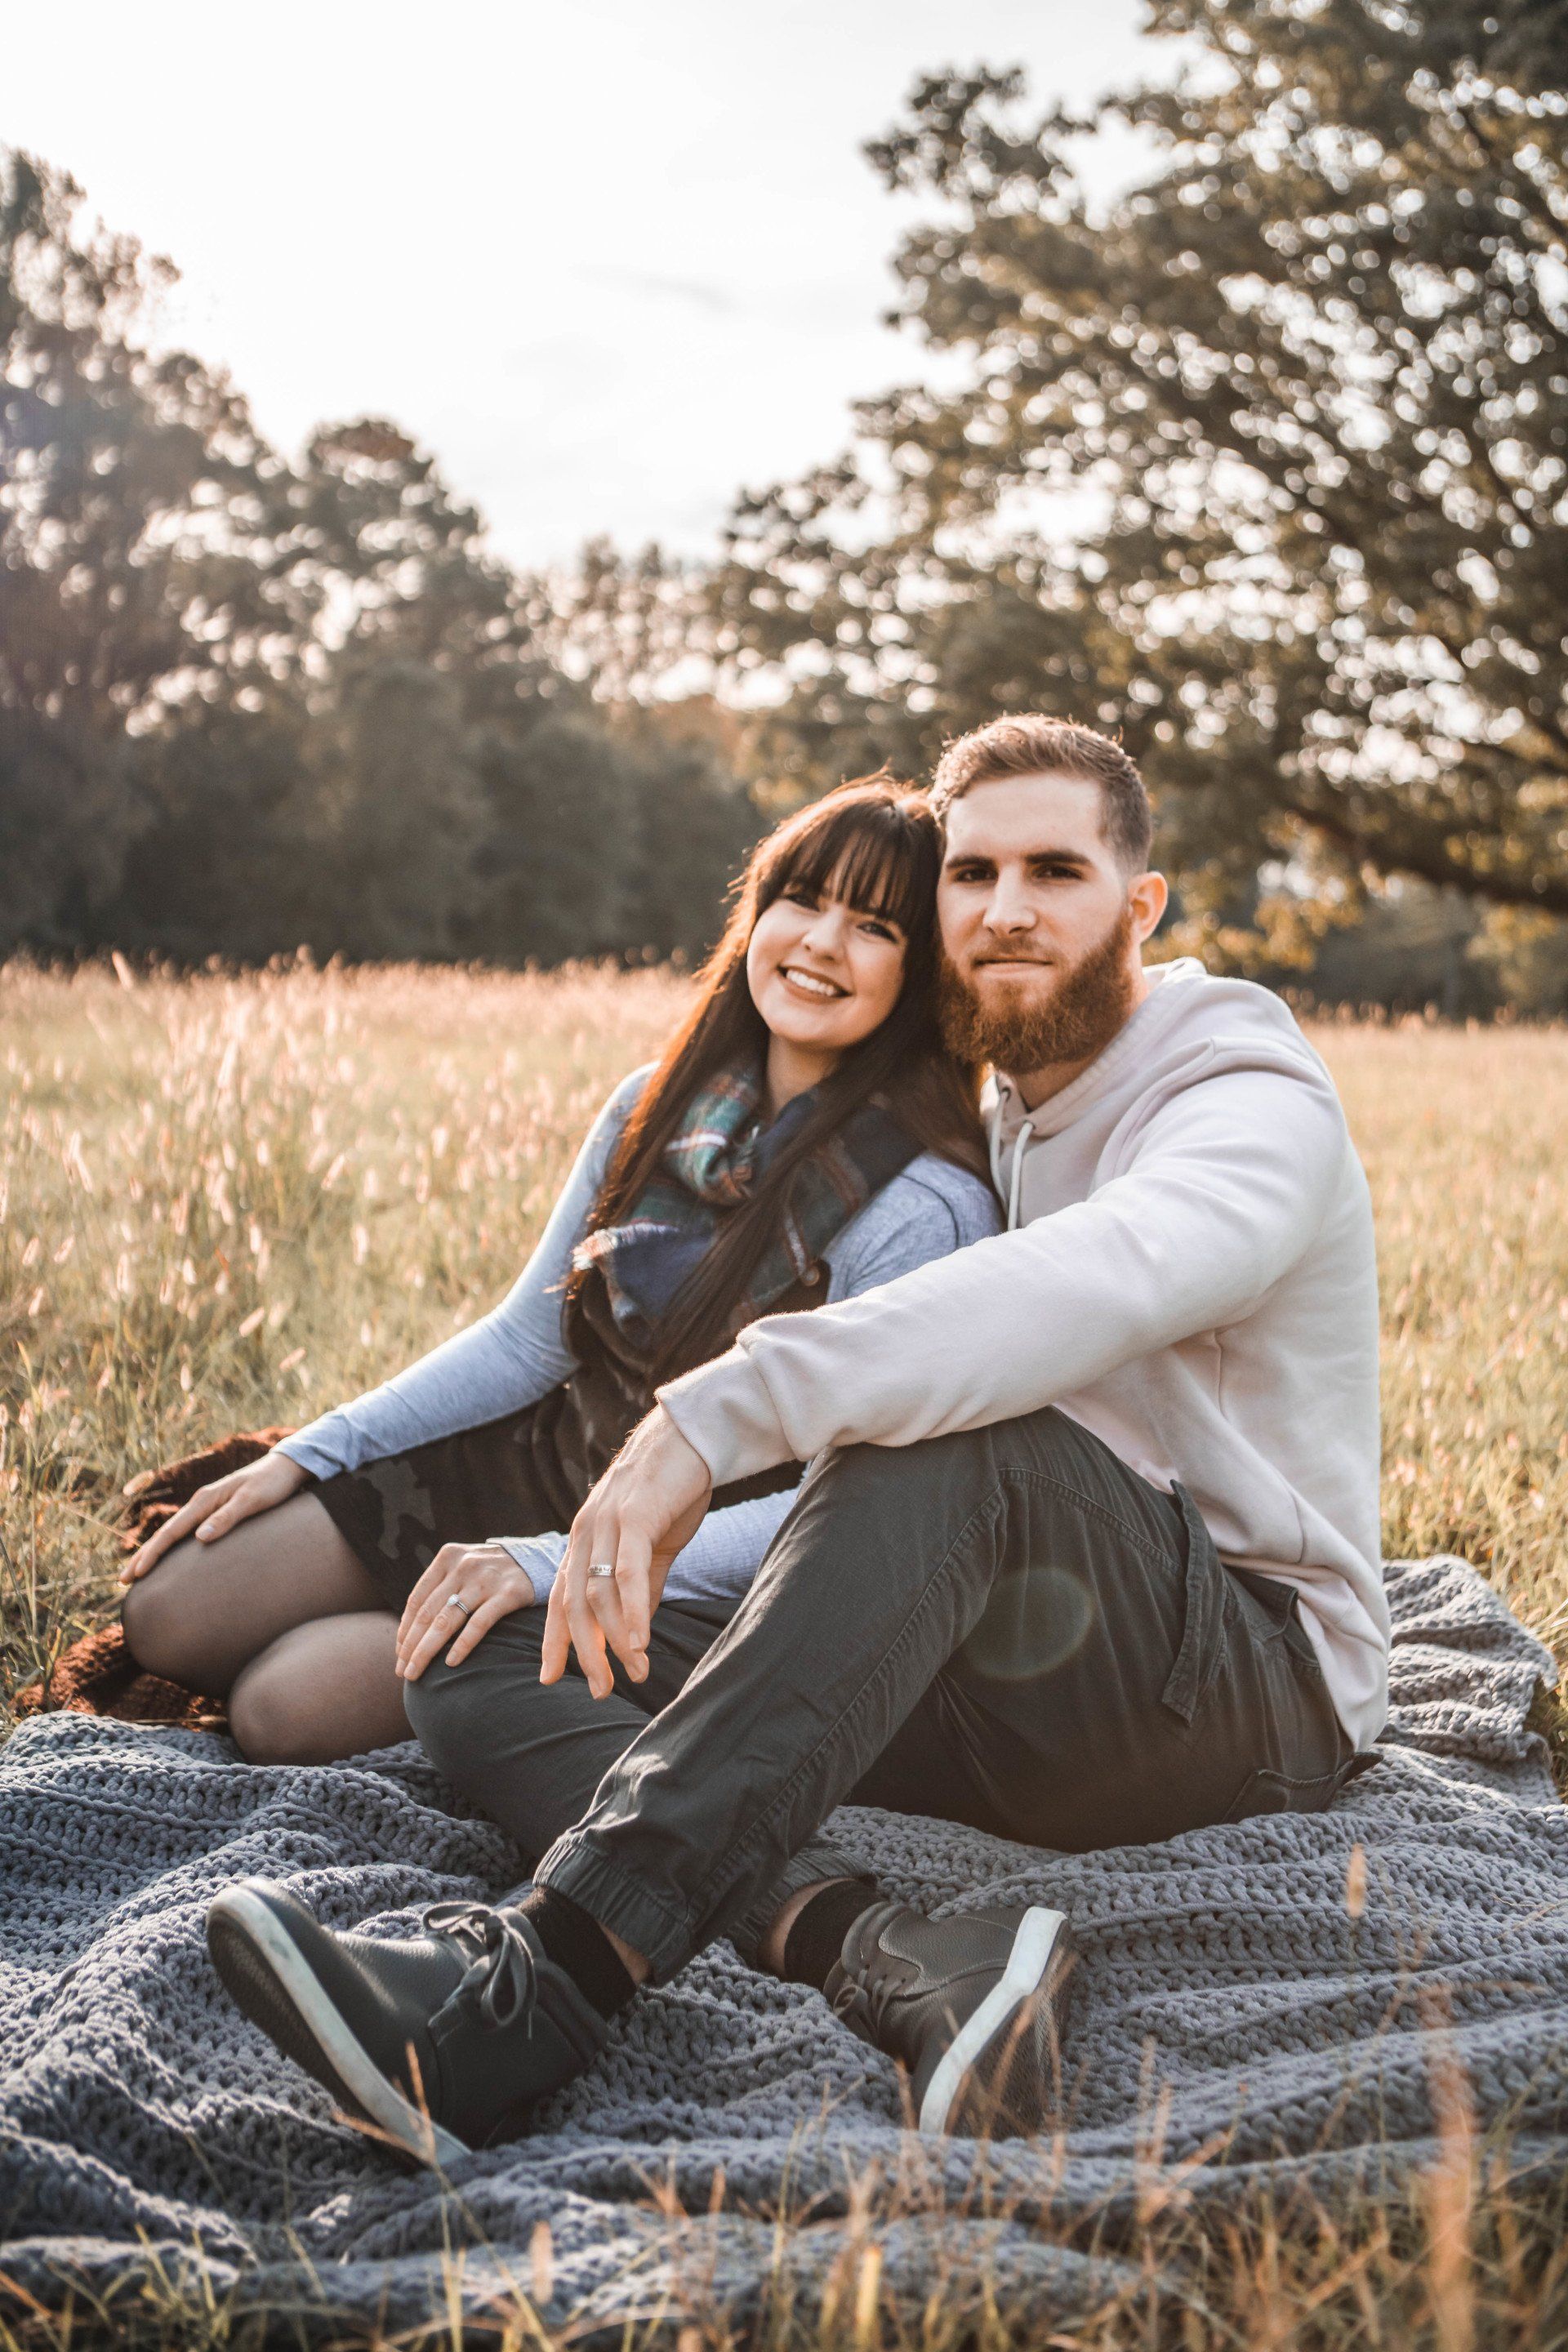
(444, 2042)
(972, 2008)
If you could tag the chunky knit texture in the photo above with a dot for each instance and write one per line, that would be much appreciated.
(1230, 1989)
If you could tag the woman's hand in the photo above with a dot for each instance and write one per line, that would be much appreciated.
(649, 1503)
(213, 1510)
(485, 1579)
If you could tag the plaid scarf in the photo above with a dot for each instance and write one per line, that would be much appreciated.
(708, 1168)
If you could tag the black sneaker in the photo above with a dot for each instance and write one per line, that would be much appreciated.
(444, 2042)
(971, 2007)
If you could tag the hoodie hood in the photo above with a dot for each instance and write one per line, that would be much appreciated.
(1190, 1025)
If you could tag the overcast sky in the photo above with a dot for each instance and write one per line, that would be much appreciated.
(609, 258)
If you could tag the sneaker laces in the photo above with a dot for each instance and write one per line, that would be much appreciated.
(500, 1983)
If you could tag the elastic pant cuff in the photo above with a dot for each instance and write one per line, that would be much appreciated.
(664, 1935)
(668, 1938)
(809, 1867)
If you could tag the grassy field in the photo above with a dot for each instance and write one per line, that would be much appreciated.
(226, 1203)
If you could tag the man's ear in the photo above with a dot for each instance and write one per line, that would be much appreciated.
(1148, 896)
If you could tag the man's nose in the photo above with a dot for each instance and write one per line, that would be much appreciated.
(1009, 910)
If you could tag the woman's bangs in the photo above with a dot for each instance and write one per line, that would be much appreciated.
(874, 866)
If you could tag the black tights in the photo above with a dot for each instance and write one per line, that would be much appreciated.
(278, 1618)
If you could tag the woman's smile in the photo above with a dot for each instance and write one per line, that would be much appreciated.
(813, 984)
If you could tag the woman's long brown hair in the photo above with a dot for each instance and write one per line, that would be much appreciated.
(875, 844)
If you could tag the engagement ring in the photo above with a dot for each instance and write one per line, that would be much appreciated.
(602, 1568)
(455, 1600)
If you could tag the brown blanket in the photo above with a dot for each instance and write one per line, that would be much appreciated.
(98, 1674)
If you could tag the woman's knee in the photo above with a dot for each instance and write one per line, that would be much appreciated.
(266, 1719)
(205, 1610)
(155, 1616)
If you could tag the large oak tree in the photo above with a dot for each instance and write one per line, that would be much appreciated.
(1265, 463)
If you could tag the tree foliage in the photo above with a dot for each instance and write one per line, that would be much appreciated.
(247, 703)
(1265, 464)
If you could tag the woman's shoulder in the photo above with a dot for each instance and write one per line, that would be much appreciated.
(622, 1100)
(632, 1085)
(598, 1146)
(931, 1208)
(932, 1184)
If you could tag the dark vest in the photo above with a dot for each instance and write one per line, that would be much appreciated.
(579, 1427)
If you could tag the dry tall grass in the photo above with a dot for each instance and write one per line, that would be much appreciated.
(232, 1201)
(227, 1201)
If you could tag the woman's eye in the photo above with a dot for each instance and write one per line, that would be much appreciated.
(879, 930)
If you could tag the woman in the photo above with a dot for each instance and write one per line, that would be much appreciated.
(804, 1137)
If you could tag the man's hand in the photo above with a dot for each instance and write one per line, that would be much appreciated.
(649, 1503)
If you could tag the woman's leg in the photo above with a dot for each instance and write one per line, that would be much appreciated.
(206, 1610)
(321, 1691)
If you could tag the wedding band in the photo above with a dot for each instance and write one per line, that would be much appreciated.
(602, 1568)
(455, 1600)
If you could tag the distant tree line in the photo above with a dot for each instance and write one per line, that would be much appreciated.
(247, 704)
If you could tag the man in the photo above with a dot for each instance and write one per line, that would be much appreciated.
(1088, 1554)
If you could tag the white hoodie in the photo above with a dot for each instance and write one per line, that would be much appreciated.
(1189, 1272)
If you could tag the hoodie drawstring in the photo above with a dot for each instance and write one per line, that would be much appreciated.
(1025, 1133)
(994, 1146)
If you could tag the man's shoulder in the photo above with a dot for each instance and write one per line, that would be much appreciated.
(1188, 990)
(1231, 1021)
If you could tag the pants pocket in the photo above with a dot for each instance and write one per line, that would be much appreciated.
(1202, 1645)
(1267, 1791)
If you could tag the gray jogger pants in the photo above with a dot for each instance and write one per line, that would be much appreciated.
(1006, 1627)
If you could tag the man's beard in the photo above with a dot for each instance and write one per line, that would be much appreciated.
(1078, 1018)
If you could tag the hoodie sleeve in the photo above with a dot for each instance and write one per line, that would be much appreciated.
(1222, 1190)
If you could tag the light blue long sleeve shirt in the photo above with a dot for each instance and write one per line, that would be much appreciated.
(518, 1352)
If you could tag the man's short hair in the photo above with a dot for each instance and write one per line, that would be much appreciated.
(1033, 745)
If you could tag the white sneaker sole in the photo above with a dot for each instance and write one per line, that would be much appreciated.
(1037, 1947)
(269, 1977)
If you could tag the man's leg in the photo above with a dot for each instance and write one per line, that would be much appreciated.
(533, 1755)
(1075, 1718)
(1108, 1681)
(380, 2021)
(1122, 1687)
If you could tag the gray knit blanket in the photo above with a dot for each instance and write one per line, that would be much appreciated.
(1291, 2000)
